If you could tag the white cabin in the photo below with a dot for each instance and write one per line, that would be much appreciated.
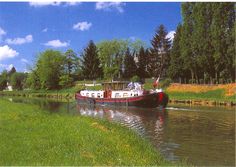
(115, 90)
(124, 93)
(114, 94)
(92, 93)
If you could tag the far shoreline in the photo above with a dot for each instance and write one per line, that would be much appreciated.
(208, 98)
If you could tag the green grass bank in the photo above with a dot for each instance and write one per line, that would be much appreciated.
(30, 136)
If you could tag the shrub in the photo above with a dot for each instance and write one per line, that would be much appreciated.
(135, 79)
(165, 83)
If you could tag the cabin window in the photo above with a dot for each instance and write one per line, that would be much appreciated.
(92, 95)
(135, 94)
(99, 95)
(87, 94)
(125, 95)
(117, 95)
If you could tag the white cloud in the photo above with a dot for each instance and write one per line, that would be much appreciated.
(7, 52)
(56, 43)
(20, 41)
(55, 3)
(24, 60)
(45, 30)
(9, 67)
(72, 3)
(171, 35)
(82, 26)
(109, 6)
(44, 3)
(6, 66)
(2, 32)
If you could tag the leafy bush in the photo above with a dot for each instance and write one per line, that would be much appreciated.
(165, 83)
(135, 78)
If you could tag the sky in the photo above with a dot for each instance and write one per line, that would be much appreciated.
(26, 29)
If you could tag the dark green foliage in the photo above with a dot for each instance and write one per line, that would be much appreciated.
(71, 67)
(90, 62)
(142, 63)
(3, 80)
(17, 80)
(175, 70)
(203, 50)
(159, 53)
(186, 39)
(130, 67)
(71, 62)
(12, 71)
(165, 83)
(65, 81)
(135, 79)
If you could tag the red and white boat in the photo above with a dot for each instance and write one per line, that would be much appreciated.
(123, 94)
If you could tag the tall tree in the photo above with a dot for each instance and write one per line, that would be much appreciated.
(3, 80)
(201, 39)
(142, 63)
(49, 69)
(175, 70)
(90, 62)
(130, 67)
(17, 80)
(186, 40)
(33, 80)
(160, 52)
(222, 28)
(111, 56)
(71, 65)
(12, 71)
(71, 62)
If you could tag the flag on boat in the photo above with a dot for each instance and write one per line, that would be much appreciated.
(155, 84)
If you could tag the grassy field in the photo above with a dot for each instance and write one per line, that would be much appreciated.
(30, 136)
(225, 92)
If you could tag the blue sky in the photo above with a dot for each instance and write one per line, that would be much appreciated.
(27, 29)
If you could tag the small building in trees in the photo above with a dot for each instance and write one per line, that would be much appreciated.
(9, 87)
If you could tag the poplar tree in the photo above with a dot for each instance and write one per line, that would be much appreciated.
(222, 30)
(186, 40)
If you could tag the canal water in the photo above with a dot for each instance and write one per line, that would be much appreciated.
(202, 136)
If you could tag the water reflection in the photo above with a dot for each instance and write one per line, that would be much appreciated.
(133, 118)
(201, 136)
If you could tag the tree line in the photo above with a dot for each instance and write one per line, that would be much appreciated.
(202, 52)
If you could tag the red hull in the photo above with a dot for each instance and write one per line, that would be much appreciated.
(146, 101)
